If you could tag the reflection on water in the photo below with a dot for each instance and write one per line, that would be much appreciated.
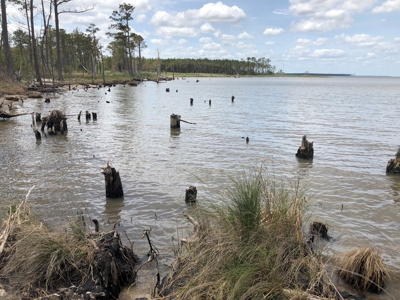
(112, 209)
(394, 181)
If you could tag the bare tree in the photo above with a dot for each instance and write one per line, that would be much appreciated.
(6, 45)
(57, 13)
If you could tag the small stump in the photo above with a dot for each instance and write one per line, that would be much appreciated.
(319, 229)
(306, 149)
(191, 194)
(393, 165)
(112, 182)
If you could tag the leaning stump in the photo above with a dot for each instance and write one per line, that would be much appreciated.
(112, 182)
(306, 150)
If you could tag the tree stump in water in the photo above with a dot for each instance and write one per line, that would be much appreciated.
(94, 115)
(393, 165)
(38, 117)
(306, 149)
(175, 121)
(191, 101)
(88, 116)
(191, 194)
(112, 182)
(233, 98)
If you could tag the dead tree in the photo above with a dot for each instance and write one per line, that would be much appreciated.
(175, 121)
(306, 149)
(112, 182)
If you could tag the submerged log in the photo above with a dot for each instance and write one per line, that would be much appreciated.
(191, 194)
(112, 182)
(393, 165)
(306, 149)
(6, 115)
(175, 121)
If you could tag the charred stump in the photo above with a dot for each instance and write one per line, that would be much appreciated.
(306, 149)
(191, 194)
(320, 230)
(191, 101)
(393, 165)
(88, 116)
(112, 182)
(94, 116)
(233, 98)
(175, 121)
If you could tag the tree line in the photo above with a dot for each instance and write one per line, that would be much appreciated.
(51, 52)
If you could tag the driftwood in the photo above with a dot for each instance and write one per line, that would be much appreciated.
(112, 182)
(306, 149)
(196, 234)
(6, 115)
(393, 165)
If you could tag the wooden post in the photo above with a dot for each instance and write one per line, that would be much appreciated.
(247, 140)
(306, 149)
(94, 115)
(112, 182)
(175, 121)
(191, 101)
(233, 98)
(79, 116)
(191, 194)
(88, 116)
(209, 102)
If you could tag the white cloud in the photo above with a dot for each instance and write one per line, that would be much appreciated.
(387, 7)
(175, 31)
(318, 42)
(157, 41)
(370, 55)
(205, 40)
(359, 40)
(323, 16)
(181, 42)
(245, 35)
(207, 28)
(280, 12)
(269, 43)
(141, 5)
(140, 18)
(209, 13)
(327, 53)
(397, 39)
(273, 31)
(212, 46)
(242, 45)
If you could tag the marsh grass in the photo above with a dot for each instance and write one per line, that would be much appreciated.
(251, 247)
(362, 268)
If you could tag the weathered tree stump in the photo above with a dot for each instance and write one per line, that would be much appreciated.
(233, 98)
(191, 194)
(37, 134)
(167, 90)
(175, 121)
(112, 182)
(319, 229)
(38, 117)
(393, 165)
(88, 116)
(79, 116)
(209, 102)
(191, 101)
(306, 149)
(94, 115)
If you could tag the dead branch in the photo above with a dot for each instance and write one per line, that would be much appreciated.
(196, 234)
(187, 122)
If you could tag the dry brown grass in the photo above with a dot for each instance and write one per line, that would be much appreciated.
(8, 87)
(362, 268)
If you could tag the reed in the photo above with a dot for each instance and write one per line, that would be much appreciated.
(251, 247)
(362, 268)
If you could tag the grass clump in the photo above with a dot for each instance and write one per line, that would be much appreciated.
(362, 268)
(251, 247)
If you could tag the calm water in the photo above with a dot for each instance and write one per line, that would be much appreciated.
(353, 122)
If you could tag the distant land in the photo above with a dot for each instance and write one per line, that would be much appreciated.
(317, 74)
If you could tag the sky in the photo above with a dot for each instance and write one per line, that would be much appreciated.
(360, 37)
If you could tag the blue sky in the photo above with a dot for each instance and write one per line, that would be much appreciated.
(360, 37)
